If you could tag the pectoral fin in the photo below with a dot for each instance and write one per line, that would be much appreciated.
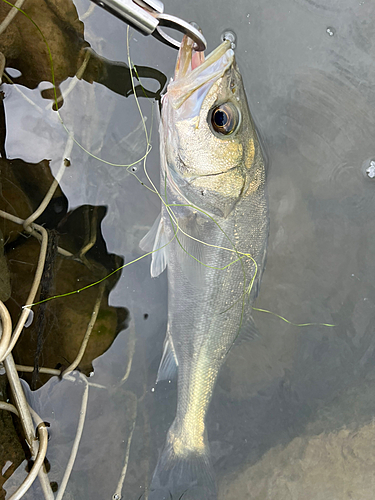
(148, 241)
(155, 241)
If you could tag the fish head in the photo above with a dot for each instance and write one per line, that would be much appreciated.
(211, 153)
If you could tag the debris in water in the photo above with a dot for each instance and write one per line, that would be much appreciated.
(231, 36)
(370, 171)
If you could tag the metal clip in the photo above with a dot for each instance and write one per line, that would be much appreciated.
(147, 16)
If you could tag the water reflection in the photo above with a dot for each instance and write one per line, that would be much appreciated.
(56, 332)
(71, 53)
(117, 77)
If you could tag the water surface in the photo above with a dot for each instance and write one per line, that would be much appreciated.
(292, 412)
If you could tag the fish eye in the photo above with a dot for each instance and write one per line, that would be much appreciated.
(224, 118)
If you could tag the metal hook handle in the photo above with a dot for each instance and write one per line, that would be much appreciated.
(147, 16)
(180, 25)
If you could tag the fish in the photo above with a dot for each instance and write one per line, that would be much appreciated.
(211, 236)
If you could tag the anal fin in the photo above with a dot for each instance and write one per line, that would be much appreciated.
(168, 364)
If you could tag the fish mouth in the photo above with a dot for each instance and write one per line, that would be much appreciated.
(193, 70)
(192, 63)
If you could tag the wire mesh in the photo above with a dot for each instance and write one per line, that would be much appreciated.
(38, 445)
(34, 429)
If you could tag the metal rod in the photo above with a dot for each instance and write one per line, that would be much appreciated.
(41, 454)
(6, 334)
(8, 407)
(20, 400)
(86, 337)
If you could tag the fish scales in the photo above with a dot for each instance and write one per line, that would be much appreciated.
(212, 236)
(200, 311)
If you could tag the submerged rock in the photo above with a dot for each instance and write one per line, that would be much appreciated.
(335, 465)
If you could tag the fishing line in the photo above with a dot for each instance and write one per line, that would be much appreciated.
(148, 148)
(290, 322)
(153, 189)
(174, 222)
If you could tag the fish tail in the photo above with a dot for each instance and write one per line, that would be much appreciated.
(183, 472)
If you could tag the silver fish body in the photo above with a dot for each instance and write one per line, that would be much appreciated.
(212, 236)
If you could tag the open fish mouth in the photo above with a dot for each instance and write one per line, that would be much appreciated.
(193, 70)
